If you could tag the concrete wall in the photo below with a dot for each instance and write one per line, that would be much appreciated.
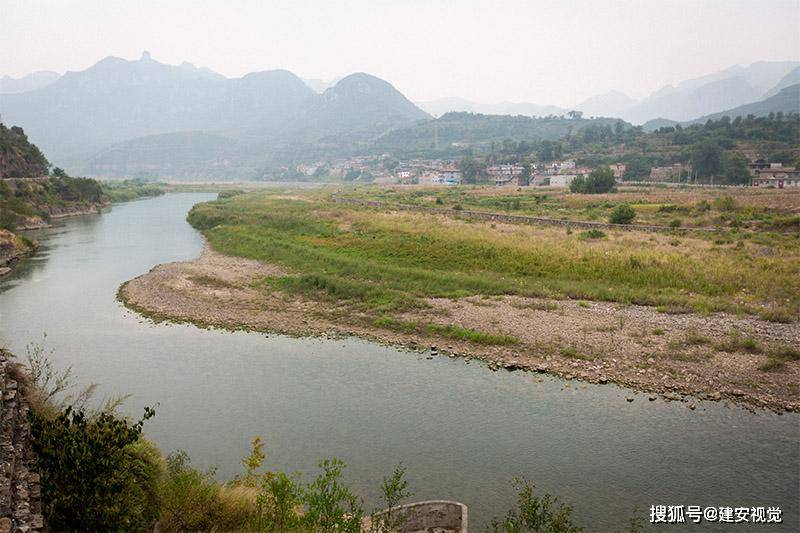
(433, 515)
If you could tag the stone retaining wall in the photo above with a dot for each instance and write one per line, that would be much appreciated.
(514, 219)
(20, 489)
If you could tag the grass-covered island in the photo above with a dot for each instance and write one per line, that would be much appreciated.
(706, 313)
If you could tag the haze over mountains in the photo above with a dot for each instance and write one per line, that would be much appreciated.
(715, 92)
(34, 80)
(122, 117)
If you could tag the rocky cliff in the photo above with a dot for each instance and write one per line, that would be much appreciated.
(18, 157)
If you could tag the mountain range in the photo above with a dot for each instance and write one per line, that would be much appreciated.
(83, 115)
(35, 80)
(122, 117)
(442, 106)
(690, 99)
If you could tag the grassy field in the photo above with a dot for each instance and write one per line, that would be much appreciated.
(732, 208)
(382, 263)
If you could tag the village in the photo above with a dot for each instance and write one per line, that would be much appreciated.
(558, 174)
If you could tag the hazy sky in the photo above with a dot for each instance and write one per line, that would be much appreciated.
(554, 52)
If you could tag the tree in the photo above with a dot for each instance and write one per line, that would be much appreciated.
(469, 169)
(706, 158)
(601, 180)
(525, 177)
(735, 170)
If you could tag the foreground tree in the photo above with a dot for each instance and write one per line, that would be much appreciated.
(599, 181)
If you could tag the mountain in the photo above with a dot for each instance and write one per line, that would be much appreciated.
(35, 80)
(683, 104)
(344, 118)
(442, 106)
(610, 104)
(786, 101)
(451, 133)
(791, 78)
(357, 104)
(318, 86)
(117, 99)
(712, 93)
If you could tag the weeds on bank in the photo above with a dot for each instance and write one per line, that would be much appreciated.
(211, 282)
(448, 331)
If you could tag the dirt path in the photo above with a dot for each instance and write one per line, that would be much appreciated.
(715, 357)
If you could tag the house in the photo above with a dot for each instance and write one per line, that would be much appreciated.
(670, 173)
(449, 175)
(618, 169)
(566, 167)
(759, 164)
(540, 180)
(562, 180)
(404, 176)
(777, 177)
(505, 174)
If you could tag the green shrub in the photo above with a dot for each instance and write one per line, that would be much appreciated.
(725, 203)
(330, 505)
(535, 513)
(675, 223)
(95, 471)
(228, 194)
(622, 214)
(593, 233)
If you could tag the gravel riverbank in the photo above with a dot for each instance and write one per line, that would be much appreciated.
(678, 356)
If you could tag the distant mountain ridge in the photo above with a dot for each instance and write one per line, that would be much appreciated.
(441, 106)
(121, 116)
(33, 81)
(712, 93)
(787, 100)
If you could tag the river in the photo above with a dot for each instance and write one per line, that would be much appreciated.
(463, 432)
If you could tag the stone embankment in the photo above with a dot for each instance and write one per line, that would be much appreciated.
(513, 219)
(20, 489)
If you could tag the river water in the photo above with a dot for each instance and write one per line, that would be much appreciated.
(463, 432)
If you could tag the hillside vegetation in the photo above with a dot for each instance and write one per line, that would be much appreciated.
(19, 158)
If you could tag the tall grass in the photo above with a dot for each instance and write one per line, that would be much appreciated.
(388, 261)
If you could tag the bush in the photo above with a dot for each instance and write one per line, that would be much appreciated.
(725, 203)
(622, 214)
(228, 194)
(193, 501)
(593, 234)
(600, 180)
(535, 513)
(96, 471)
